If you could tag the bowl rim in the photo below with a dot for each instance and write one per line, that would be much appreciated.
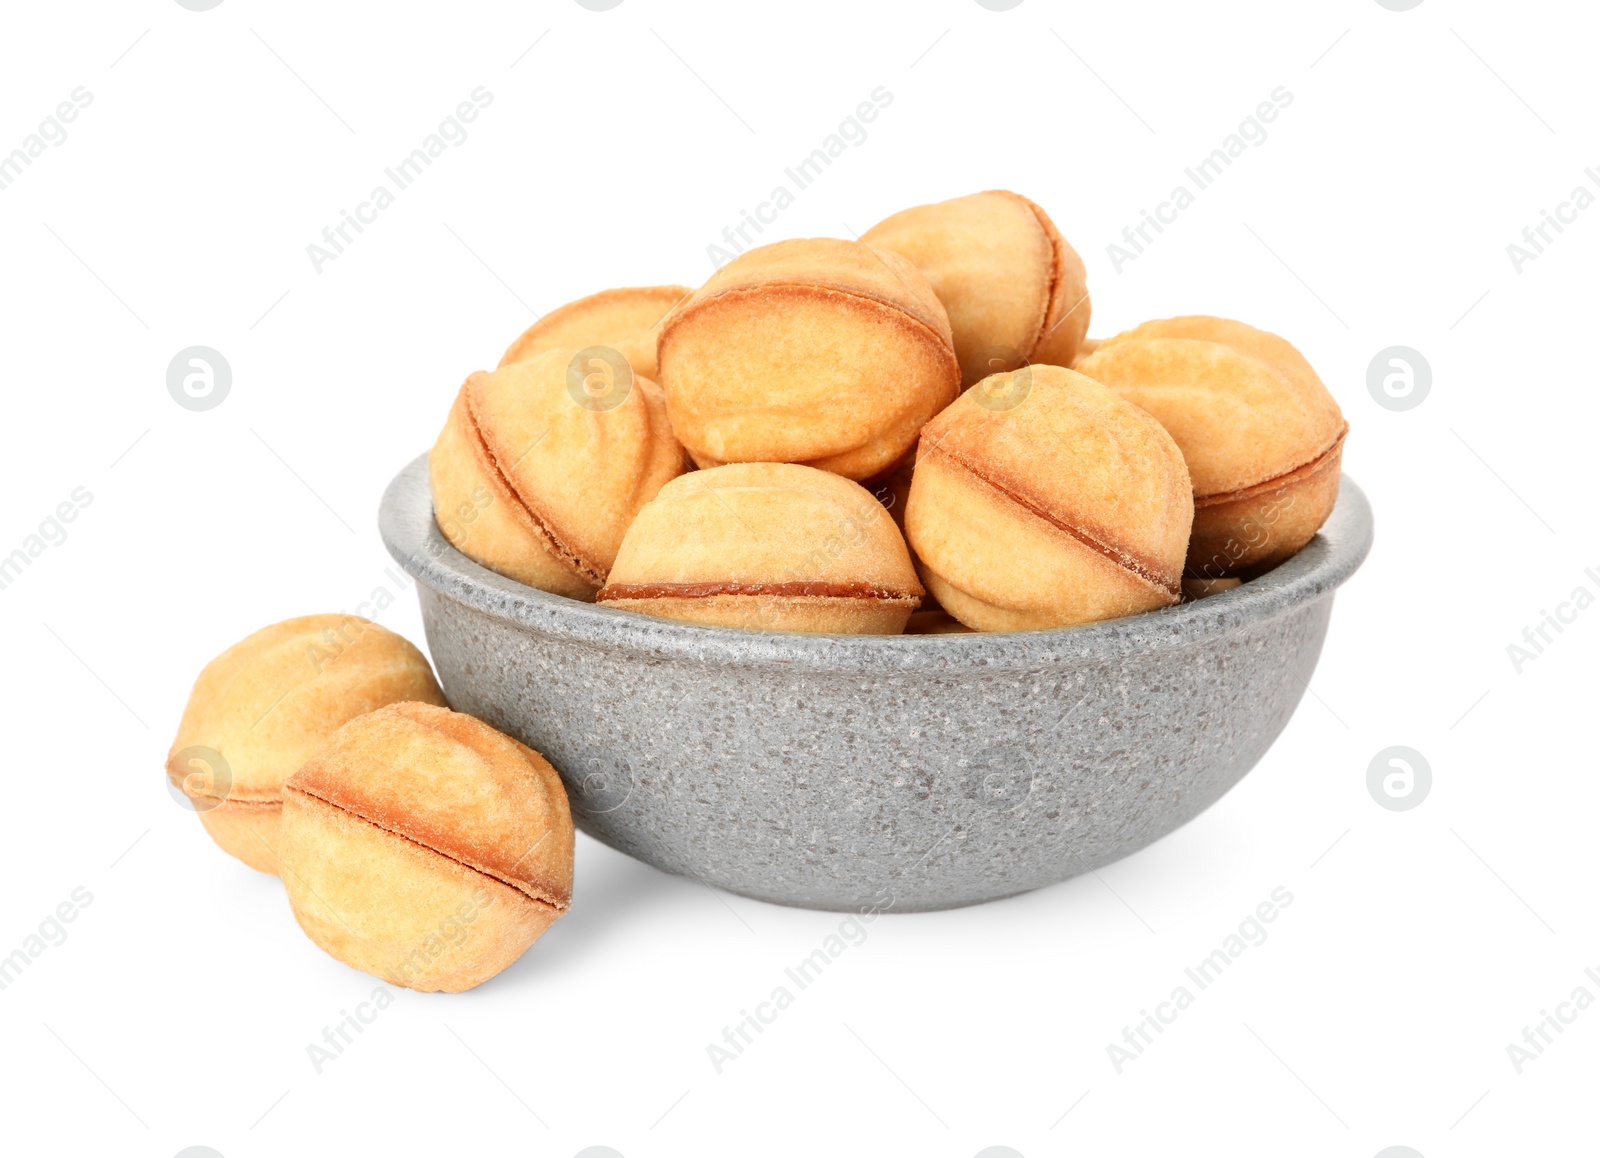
(412, 536)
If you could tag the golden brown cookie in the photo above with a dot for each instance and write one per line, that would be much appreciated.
(627, 320)
(1260, 432)
(424, 847)
(1016, 292)
(263, 706)
(542, 465)
(821, 352)
(769, 546)
(1041, 499)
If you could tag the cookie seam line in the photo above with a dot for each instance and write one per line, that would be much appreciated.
(556, 546)
(1057, 264)
(636, 292)
(1123, 559)
(261, 803)
(518, 886)
(1277, 481)
(612, 592)
(819, 291)
(176, 780)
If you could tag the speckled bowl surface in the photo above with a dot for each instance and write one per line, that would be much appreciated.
(897, 772)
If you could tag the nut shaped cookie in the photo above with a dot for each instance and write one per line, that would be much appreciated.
(542, 465)
(816, 351)
(767, 546)
(628, 320)
(424, 847)
(1042, 499)
(1016, 292)
(1261, 434)
(263, 706)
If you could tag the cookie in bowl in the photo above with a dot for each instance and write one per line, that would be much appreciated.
(628, 320)
(542, 465)
(1042, 499)
(1016, 291)
(766, 546)
(1261, 434)
(816, 351)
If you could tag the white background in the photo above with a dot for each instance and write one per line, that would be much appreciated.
(1378, 211)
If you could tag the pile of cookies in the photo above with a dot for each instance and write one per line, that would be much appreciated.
(906, 432)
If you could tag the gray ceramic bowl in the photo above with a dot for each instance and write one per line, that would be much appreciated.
(897, 772)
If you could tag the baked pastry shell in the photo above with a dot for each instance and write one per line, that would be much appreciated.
(268, 702)
(628, 319)
(1041, 499)
(1016, 291)
(408, 814)
(768, 546)
(534, 483)
(1262, 435)
(817, 351)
